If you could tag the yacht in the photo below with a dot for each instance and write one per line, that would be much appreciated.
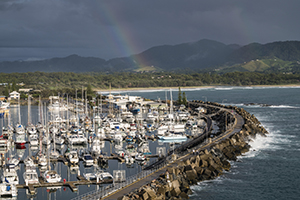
(8, 190)
(151, 118)
(28, 162)
(77, 139)
(140, 157)
(4, 105)
(10, 175)
(96, 147)
(51, 176)
(19, 129)
(73, 157)
(172, 136)
(20, 140)
(30, 176)
(42, 161)
(33, 140)
(105, 175)
(87, 159)
(31, 129)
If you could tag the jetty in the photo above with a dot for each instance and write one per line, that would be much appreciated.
(71, 184)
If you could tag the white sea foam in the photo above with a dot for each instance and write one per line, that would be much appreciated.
(282, 106)
(224, 88)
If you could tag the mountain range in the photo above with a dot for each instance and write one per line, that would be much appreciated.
(203, 55)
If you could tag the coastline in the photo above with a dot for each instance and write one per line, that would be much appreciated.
(115, 90)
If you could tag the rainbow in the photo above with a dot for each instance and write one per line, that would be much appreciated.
(116, 33)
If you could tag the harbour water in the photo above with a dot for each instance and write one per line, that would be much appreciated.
(269, 171)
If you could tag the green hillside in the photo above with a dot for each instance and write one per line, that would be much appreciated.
(264, 65)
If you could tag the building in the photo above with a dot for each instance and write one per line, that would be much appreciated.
(14, 95)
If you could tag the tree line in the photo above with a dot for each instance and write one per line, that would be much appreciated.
(68, 82)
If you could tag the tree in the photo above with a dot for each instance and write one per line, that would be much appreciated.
(14, 88)
(6, 93)
(184, 100)
(179, 96)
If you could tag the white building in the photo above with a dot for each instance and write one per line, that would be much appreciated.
(14, 95)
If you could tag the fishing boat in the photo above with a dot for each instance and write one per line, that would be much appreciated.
(51, 176)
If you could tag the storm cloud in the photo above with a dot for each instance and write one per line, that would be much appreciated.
(38, 29)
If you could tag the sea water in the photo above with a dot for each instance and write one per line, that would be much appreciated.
(270, 170)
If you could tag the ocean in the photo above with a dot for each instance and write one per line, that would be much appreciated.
(270, 170)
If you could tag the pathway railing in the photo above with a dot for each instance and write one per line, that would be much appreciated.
(105, 191)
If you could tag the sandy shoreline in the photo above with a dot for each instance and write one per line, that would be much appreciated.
(114, 90)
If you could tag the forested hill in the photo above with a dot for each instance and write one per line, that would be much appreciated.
(207, 55)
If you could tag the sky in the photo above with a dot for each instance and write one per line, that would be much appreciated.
(42, 29)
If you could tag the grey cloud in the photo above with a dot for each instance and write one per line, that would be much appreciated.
(109, 28)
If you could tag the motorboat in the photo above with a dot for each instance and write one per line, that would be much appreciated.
(4, 105)
(88, 159)
(51, 176)
(129, 159)
(42, 161)
(96, 147)
(8, 190)
(13, 162)
(73, 157)
(20, 140)
(140, 157)
(105, 175)
(3, 142)
(59, 140)
(30, 176)
(31, 129)
(28, 162)
(151, 118)
(77, 139)
(33, 139)
(10, 175)
(172, 136)
(46, 140)
(90, 176)
(19, 129)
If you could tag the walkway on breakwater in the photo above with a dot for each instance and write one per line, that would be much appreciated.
(158, 168)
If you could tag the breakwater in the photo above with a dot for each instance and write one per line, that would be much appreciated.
(208, 161)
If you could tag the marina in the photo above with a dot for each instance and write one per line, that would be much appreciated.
(79, 148)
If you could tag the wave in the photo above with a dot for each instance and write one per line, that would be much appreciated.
(283, 106)
(257, 105)
(224, 88)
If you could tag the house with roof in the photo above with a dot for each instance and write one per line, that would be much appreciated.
(14, 95)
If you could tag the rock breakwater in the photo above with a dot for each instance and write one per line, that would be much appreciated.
(204, 163)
